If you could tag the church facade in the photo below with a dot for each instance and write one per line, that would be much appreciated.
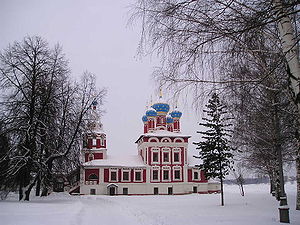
(160, 167)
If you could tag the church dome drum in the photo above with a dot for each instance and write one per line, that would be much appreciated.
(170, 120)
(176, 114)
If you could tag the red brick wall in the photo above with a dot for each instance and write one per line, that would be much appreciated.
(98, 155)
(106, 175)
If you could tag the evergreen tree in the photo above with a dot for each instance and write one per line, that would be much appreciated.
(215, 150)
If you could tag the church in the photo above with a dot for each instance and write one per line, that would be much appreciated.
(161, 165)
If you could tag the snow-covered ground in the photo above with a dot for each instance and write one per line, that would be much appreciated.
(257, 207)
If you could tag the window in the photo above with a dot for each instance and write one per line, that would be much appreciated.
(170, 190)
(101, 142)
(93, 177)
(176, 156)
(195, 189)
(94, 142)
(155, 156)
(155, 175)
(125, 175)
(125, 191)
(138, 176)
(166, 174)
(155, 191)
(166, 156)
(91, 157)
(177, 174)
(92, 191)
(196, 176)
(113, 175)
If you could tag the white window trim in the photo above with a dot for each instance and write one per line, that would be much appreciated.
(101, 141)
(155, 150)
(166, 140)
(155, 168)
(129, 175)
(113, 170)
(166, 150)
(180, 172)
(94, 142)
(166, 168)
(181, 140)
(134, 178)
(176, 150)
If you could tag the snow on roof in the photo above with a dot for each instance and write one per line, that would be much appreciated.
(124, 161)
(163, 133)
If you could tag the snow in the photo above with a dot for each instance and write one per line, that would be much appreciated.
(257, 207)
(162, 133)
(124, 161)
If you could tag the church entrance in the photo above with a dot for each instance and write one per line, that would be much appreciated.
(112, 189)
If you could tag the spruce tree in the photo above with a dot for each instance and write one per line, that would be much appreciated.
(215, 150)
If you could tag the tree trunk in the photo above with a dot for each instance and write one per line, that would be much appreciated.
(298, 183)
(290, 49)
(221, 180)
(38, 187)
(20, 191)
(45, 191)
(222, 192)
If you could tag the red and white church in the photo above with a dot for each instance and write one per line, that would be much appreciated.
(160, 167)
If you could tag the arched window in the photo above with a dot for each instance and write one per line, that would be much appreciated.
(91, 157)
(93, 177)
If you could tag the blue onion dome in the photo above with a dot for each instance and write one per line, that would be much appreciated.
(144, 118)
(176, 114)
(161, 108)
(170, 119)
(151, 112)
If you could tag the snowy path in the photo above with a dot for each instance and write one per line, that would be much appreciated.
(257, 207)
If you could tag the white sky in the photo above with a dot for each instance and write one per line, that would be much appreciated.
(95, 36)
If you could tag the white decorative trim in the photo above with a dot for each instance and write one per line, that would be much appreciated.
(168, 169)
(158, 173)
(166, 140)
(153, 138)
(122, 175)
(89, 182)
(155, 150)
(198, 171)
(134, 177)
(166, 150)
(177, 168)
(113, 170)
(181, 140)
(176, 150)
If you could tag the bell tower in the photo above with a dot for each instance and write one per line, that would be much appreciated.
(94, 138)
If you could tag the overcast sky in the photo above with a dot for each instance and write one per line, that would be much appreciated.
(95, 36)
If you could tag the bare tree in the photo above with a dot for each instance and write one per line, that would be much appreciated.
(42, 112)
